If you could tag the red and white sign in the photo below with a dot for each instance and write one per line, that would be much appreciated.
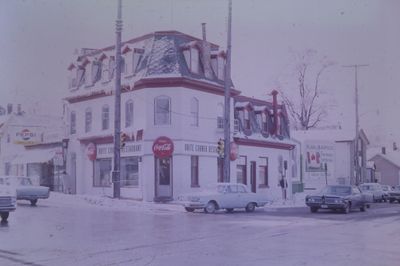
(163, 147)
(91, 151)
(234, 151)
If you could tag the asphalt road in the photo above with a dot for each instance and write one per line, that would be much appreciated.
(50, 234)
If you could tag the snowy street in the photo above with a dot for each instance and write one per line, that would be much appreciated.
(77, 230)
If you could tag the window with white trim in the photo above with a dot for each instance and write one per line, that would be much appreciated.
(194, 171)
(88, 120)
(72, 123)
(192, 59)
(241, 170)
(263, 172)
(105, 117)
(129, 113)
(105, 76)
(162, 110)
(130, 171)
(102, 173)
(194, 112)
(96, 71)
(111, 67)
(80, 76)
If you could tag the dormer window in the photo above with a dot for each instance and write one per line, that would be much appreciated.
(105, 76)
(111, 68)
(127, 58)
(192, 59)
(264, 124)
(123, 65)
(96, 71)
(214, 64)
(137, 56)
(80, 76)
(246, 119)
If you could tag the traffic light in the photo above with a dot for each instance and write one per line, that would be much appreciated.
(124, 138)
(221, 148)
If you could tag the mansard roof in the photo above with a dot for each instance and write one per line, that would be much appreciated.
(163, 57)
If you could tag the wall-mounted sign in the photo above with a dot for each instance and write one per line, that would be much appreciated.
(234, 151)
(317, 154)
(26, 136)
(163, 147)
(91, 151)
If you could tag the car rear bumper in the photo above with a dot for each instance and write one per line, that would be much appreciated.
(194, 205)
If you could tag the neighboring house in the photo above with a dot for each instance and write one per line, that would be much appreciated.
(31, 145)
(387, 167)
(327, 157)
(172, 106)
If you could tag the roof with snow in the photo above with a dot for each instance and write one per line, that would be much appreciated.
(391, 156)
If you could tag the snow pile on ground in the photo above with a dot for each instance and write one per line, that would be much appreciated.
(297, 200)
(107, 202)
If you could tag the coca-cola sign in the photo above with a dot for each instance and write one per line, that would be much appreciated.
(91, 151)
(163, 147)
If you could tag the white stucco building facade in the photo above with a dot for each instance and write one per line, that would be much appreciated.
(172, 105)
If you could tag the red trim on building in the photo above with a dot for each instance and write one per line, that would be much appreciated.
(97, 139)
(182, 82)
(264, 144)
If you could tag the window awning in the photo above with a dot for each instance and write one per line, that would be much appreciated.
(34, 156)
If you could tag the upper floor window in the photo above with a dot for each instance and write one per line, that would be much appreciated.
(72, 125)
(194, 112)
(162, 110)
(192, 59)
(221, 67)
(105, 117)
(137, 56)
(123, 65)
(96, 71)
(105, 70)
(80, 75)
(111, 67)
(246, 120)
(129, 113)
(88, 120)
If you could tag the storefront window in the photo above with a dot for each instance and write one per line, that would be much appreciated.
(102, 173)
(241, 170)
(263, 171)
(194, 171)
(130, 171)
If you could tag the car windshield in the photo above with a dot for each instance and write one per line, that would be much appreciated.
(337, 190)
(25, 181)
(368, 187)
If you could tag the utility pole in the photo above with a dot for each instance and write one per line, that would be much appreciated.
(356, 155)
(227, 124)
(116, 178)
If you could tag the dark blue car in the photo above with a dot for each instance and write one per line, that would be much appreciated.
(338, 198)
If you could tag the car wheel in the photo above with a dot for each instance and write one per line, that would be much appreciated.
(346, 208)
(4, 216)
(313, 209)
(33, 202)
(188, 209)
(211, 207)
(363, 208)
(229, 210)
(251, 207)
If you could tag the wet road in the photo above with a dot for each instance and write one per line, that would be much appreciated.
(50, 234)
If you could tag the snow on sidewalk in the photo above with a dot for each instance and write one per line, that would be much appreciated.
(98, 201)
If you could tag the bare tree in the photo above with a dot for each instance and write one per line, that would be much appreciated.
(303, 99)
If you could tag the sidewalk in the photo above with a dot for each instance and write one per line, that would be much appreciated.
(98, 201)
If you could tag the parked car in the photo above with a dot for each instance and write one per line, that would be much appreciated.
(386, 190)
(7, 200)
(394, 194)
(337, 197)
(373, 191)
(26, 190)
(228, 196)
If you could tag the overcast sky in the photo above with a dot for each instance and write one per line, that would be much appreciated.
(38, 39)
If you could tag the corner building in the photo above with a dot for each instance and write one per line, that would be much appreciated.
(172, 105)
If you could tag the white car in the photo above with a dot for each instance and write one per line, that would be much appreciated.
(373, 192)
(226, 196)
(8, 200)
